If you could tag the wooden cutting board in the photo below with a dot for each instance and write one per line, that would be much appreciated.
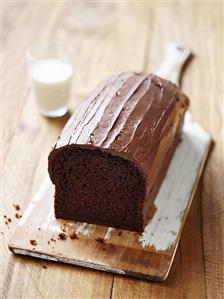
(148, 255)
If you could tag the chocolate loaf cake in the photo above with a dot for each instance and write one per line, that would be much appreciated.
(113, 153)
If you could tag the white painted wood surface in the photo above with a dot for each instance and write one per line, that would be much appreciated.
(176, 56)
(174, 194)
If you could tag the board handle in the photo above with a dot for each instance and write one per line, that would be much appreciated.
(172, 65)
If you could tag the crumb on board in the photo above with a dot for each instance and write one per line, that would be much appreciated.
(100, 240)
(8, 220)
(18, 215)
(44, 267)
(62, 236)
(39, 228)
(33, 242)
(17, 207)
(48, 242)
(73, 236)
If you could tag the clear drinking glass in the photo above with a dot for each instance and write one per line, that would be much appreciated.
(51, 72)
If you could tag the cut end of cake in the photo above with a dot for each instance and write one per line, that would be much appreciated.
(95, 186)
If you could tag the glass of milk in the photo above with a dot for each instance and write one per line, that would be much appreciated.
(51, 71)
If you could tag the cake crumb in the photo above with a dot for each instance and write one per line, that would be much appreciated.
(2, 233)
(39, 228)
(9, 220)
(73, 236)
(5, 216)
(17, 207)
(53, 240)
(101, 240)
(62, 236)
(33, 242)
(48, 242)
(44, 267)
(18, 215)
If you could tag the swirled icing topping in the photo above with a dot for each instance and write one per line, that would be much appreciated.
(126, 115)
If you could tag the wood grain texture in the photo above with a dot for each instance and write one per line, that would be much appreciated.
(131, 41)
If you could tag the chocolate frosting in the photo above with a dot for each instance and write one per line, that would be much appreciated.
(125, 115)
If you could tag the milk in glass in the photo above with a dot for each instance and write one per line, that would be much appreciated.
(51, 80)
